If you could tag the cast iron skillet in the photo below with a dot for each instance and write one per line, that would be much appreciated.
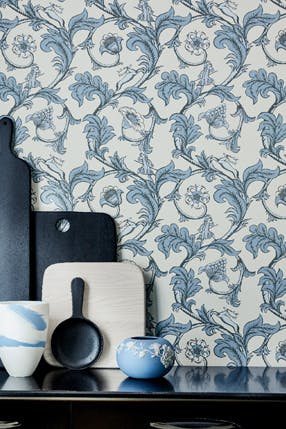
(76, 342)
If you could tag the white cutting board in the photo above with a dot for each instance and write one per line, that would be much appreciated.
(114, 299)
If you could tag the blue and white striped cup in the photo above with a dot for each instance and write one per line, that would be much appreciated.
(23, 335)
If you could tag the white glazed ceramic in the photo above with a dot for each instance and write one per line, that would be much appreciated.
(23, 334)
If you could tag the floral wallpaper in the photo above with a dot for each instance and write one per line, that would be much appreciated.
(169, 116)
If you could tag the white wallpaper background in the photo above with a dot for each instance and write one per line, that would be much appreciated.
(169, 116)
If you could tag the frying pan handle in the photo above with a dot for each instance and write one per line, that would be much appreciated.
(77, 290)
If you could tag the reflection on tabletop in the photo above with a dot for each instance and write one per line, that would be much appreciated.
(188, 380)
(73, 380)
(254, 380)
(8, 383)
(150, 385)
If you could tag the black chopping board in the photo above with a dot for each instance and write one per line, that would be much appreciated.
(15, 198)
(69, 237)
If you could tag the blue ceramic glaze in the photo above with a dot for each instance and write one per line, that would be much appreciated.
(10, 342)
(24, 327)
(145, 357)
(36, 319)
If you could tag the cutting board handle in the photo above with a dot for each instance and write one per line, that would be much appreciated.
(15, 198)
(6, 129)
(77, 290)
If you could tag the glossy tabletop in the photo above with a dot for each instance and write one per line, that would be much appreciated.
(180, 383)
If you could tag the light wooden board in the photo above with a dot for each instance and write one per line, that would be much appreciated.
(114, 299)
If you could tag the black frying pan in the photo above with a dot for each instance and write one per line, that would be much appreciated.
(76, 342)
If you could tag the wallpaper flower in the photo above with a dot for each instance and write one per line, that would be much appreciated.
(169, 116)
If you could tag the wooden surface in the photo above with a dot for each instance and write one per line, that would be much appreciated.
(114, 299)
(127, 414)
(14, 219)
(90, 238)
(98, 398)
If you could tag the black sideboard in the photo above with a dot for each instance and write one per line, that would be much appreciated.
(254, 398)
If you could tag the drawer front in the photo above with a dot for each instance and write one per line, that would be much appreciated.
(36, 414)
(140, 415)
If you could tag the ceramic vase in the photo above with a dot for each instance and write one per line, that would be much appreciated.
(145, 357)
(23, 334)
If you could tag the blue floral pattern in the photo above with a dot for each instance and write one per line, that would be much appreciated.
(169, 116)
(154, 350)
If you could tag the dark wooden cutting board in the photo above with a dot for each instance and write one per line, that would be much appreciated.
(69, 237)
(31, 241)
(14, 219)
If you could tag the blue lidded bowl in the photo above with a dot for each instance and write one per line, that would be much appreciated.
(145, 356)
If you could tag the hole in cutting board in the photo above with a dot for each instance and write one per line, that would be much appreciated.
(63, 225)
